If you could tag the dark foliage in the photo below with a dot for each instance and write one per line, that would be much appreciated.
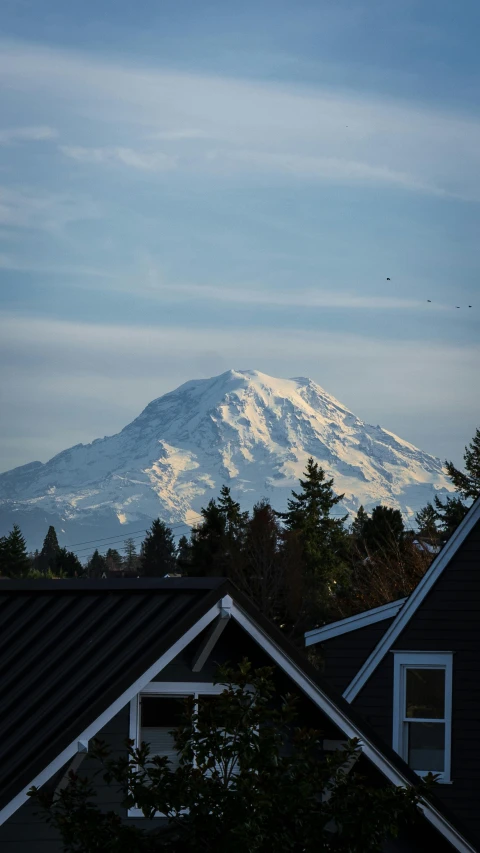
(248, 780)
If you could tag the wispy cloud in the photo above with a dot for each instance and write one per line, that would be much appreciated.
(37, 133)
(23, 207)
(155, 161)
(314, 132)
(332, 169)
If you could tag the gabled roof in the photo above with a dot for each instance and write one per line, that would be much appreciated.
(80, 650)
(414, 601)
(70, 648)
(353, 623)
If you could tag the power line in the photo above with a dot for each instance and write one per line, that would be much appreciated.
(117, 540)
(133, 533)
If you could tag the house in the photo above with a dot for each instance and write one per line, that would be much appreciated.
(86, 658)
(412, 669)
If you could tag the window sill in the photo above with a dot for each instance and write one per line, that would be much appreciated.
(442, 780)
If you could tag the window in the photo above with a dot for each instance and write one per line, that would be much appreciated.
(159, 709)
(422, 711)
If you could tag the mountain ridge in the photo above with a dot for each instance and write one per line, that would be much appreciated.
(244, 428)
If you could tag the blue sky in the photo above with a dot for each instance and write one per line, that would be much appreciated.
(187, 187)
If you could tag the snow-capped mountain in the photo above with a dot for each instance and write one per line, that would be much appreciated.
(243, 428)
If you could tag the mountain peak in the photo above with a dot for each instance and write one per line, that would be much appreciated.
(245, 428)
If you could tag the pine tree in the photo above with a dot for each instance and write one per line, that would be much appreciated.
(426, 521)
(208, 543)
(130, 555)
(449, 515)
(158, 556)
(113, 560)
(14, 560)
(359, 523)
(49, 553)
(68, 564)
(3, 556)
(384, 528)
(184, 556)
(235, 519)
(216, 543)
(261, 573)
(323, 536)
(467, 484)
(96, 565)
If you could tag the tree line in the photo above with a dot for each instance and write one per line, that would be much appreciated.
(302, 567)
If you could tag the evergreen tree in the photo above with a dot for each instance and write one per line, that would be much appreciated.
(3, 556)
(426, 520)
(216, 543)
(49, 553)
(383, 529)
(96, 565)
(131, 560)
(261, 573)
(359, 523)
(208, 543)
(14, 560)
(113, 560)
(68, 564)
(235, 519)
(184, 556)
(467, 484)
(449, 515)
(158, 556)
(323, 537)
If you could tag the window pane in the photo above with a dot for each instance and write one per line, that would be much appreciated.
(425, 693)
(426, 746)
(162, 711)
(158, 716)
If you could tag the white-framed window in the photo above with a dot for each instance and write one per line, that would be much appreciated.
(422, 711)
(157, 710)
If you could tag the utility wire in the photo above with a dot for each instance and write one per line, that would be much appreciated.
(134, 532)
(121, 539)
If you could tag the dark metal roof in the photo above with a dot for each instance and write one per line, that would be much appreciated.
(70, 648)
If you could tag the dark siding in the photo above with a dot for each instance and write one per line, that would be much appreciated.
(343, 656)
(447, 620)
(70, 648)
(26, 832)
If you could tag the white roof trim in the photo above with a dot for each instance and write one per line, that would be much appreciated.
(295, 672)
(110, 712)
(353, 623)
(414, 601)
(340, 719)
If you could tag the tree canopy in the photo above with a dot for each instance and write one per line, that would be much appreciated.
(249, 779)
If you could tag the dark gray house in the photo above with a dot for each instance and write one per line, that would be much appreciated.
(412, 670)
(102, 658)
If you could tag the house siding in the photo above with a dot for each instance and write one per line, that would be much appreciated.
(447, 620)
(27, 832)
(342, 656)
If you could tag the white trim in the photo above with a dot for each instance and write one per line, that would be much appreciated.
(353, 623)
(340, 719)
(210, 641)
(421, 660)
(414, 601)
(110, 712)
(165, 688)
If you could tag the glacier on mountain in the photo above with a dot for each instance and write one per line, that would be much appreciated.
(243, 428)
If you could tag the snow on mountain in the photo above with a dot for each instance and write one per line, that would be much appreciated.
(243, 428)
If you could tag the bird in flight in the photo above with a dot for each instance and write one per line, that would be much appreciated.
(388, 279)
(429, 300)
(457, 306)
(469, 306)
